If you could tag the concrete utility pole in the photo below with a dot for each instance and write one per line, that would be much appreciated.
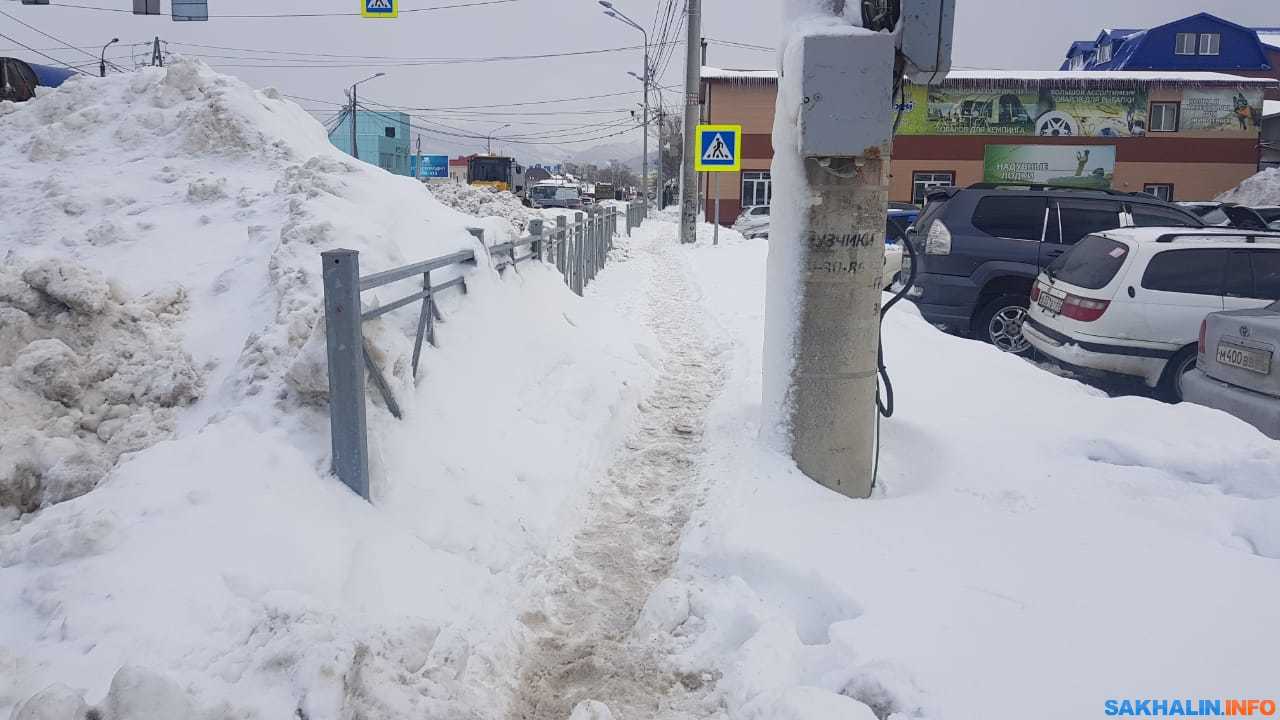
(692, 97)
(838, 89)
(660, 189)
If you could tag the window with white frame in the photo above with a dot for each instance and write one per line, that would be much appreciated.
(1210, 43)
(923, 182)
(1164, 117)
(757, 188)
(1104, 53)
(1185, 44)
(1164, 191)
(1077, 62)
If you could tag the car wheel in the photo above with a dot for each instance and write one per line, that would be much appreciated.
(1183, 362)
(1000, 323)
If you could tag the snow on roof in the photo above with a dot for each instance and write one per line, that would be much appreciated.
(972, 76)
(715, 73)
(1270, 36)
(1110, 75)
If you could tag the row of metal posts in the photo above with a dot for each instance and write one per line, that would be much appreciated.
(581, 249)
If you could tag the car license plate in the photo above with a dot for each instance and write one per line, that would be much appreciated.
(1237, 356)
(1051, 303)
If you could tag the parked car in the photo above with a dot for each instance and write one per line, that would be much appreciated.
(753, 221)
(981, 248)
(1131, 301)
(1235, 369)
(1227, 215)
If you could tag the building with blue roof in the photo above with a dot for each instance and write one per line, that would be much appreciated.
(1198, 43)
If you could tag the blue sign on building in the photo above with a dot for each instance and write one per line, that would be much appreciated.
(429, 166)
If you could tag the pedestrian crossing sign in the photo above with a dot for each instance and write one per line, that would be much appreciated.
(380, 8)
(719, 148)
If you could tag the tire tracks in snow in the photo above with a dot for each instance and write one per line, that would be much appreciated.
(583, 646)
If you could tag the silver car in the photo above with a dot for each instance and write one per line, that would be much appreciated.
(1236, 370)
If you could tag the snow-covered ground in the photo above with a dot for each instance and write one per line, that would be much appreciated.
(160, 306)
(1032, 547)
(579, 514)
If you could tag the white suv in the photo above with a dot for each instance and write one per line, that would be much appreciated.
(1130, 301)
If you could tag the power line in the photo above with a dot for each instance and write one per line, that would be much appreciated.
(460, 133)
(745, 46)
(266, 63)
(475, 3)
(50, 57)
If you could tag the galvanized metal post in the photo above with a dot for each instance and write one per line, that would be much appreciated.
(535, 231)
(562, 239)
(424, 322)
(579, 230)
(344, 344)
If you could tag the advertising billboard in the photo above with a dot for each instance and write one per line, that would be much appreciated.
(1222, 110)
(429, 166)
(1045, 112)
(1082, 166)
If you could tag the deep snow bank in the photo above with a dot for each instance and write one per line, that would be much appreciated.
(1032, 543)
(191, 212)
(482, 202)
(1260, 189)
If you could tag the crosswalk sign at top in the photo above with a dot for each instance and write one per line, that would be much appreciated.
(719, 148)
(380, 8)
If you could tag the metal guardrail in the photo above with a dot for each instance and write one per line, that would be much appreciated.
(579, 251)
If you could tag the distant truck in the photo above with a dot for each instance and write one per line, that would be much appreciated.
(553, 194)
(501, 173)
(604, 191)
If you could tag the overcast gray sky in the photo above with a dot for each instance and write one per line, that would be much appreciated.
(989, 34)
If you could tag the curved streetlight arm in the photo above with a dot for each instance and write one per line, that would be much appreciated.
(102, 59)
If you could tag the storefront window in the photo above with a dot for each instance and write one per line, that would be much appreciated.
(923, 182)
(757, 189)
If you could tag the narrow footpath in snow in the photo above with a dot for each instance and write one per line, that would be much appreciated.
(597, 645)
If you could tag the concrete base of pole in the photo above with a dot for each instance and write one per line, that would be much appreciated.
(834, 381)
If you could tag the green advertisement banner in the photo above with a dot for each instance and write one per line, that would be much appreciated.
(1082, 166)
(1223, 110)
(1047, 112)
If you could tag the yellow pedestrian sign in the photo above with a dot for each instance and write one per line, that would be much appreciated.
(380, 8)
(719, 148)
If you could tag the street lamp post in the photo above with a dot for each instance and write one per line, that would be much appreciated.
(618, 15)
(491, 133)
(355, 152)
(102, 60)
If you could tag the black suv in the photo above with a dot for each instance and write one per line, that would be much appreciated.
(980, 248)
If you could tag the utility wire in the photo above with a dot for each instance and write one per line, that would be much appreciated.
(50, 57)
(266, 63)
(745, 46)
(460, 133)
(477, 3)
